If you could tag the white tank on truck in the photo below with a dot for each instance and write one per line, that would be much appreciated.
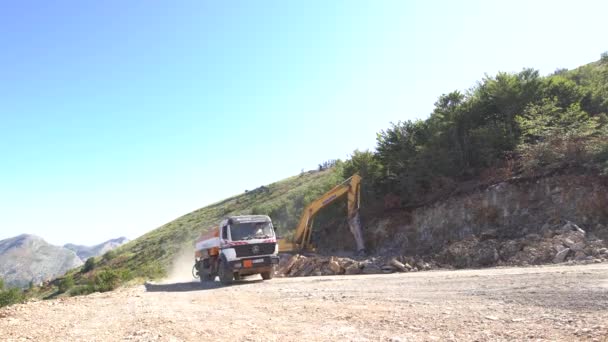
(239, 246)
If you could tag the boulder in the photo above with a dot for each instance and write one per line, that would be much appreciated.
(509, 249)
(539, 253)
(572, 227)
(459, 254)
(335, 267)
(288, 265)
(485, 253)
(580, 255)
(576, 246)
(353, 269)
(561, 255)
(398, 265)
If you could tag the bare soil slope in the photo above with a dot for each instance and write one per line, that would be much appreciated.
(539, 303)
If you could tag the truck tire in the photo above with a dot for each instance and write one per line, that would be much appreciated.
(267, 275)
(205, 275)
(195, 273)
(225, 274)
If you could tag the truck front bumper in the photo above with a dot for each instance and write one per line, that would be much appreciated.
(254, 265)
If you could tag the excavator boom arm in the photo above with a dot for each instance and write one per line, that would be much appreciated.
(350, 188)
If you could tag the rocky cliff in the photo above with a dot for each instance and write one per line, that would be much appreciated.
(520, 221)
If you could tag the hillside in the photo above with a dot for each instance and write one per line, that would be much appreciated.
(26, 258)
(150, 255)
(85, 252)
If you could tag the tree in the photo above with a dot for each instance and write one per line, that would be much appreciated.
(366, 164)
(89, 265)
(552, 135)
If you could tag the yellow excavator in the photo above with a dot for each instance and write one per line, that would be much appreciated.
(301, 239)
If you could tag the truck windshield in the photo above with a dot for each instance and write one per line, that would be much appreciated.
(251, 230)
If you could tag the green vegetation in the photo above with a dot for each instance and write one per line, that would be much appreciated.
(518, 123)
(66, 283)
(89, 265)
(10, 296)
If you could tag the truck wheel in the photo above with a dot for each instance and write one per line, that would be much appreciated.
(195, 273)
(225, 274)
(205, 275)
(267, 275)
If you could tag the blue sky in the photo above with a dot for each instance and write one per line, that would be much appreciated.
(117, 117)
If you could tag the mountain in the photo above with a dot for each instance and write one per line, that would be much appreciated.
(26, 258)
(85, 252)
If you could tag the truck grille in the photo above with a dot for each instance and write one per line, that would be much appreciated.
(248, 250)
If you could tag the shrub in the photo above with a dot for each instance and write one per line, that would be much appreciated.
(89, 265)
(66, 283)
(82, 290)
(1, 284)
(10, 297)
(109, 255)
(106, 280)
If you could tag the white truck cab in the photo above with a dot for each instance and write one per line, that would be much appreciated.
(239, 246)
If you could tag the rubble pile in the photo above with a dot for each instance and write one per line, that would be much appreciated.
(557, 244)
(566, 243)
(300, 265)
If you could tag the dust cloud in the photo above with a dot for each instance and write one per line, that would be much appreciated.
(181, 268)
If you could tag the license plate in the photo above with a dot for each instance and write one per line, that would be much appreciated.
(257, 261)
(247, 263)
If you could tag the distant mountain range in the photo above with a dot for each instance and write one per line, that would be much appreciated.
(85, 252)
(26, 258)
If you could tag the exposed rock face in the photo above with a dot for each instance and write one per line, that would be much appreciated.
(85, 252)
(520, 214)
(26, 258)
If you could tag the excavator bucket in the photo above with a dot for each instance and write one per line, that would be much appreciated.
(354, 223)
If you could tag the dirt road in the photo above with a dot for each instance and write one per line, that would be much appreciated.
(543, 303)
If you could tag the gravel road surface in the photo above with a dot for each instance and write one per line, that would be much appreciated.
(563, 303)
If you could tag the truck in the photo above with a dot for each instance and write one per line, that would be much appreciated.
(239, 246)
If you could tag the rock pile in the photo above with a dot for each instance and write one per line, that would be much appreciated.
(300, 265)
(555, 245)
